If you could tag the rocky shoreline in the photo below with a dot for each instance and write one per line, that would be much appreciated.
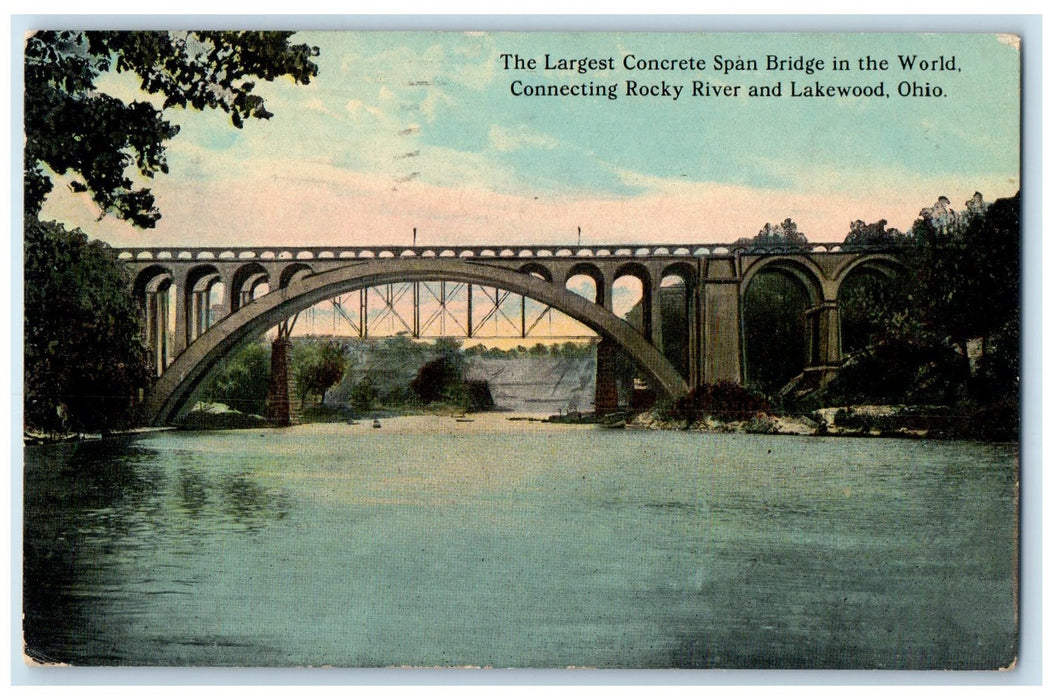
(900, 421)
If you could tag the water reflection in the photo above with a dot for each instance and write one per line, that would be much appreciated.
(249, 504)
(192, 486)
(115, 523)
(81, 501)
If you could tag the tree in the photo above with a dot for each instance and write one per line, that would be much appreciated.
(390, 364)
(948, 329)
(84, 354)
(861, 234)
(784, 235)
(242, 384)
(441, 379)
(967, 266)
(84, 357)
(968, 278)
(317, 365)
(363, 394)
(71, 127)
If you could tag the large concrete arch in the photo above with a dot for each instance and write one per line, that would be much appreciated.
(174, 390)
(801, 268)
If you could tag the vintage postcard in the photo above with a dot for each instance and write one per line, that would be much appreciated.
(521, 350)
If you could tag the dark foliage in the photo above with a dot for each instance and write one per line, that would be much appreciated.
(242, 383)
(724, 401)
(784, 235)
(364, 394)
(317, 365)
(71, 127)
(776, 343)
(998, 421)
(84, 358)
(873, 307)
(998, 369)
(899, 371)
(967, 267)
(947, 330)
(442, 379)
(864, 235)
(568, 350)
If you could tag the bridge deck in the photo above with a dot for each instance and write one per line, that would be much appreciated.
(619, 250)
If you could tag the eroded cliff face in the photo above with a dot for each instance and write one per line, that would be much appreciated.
(537, 384)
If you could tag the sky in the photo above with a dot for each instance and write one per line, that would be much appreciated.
(422, 130)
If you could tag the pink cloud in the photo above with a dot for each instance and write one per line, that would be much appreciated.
(334, 207)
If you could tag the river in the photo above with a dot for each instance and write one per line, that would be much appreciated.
(432, 542)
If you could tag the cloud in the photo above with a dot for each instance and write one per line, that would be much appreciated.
(507, 139)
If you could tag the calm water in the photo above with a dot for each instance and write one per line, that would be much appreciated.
(499, 543)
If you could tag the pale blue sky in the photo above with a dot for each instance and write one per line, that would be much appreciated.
(420, 129)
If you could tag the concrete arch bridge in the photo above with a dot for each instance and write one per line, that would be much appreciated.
(715, 279)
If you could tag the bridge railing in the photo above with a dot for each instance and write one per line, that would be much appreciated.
(620, 250)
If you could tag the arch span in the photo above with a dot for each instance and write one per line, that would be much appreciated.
(803, 269)
(175, 389)
(888, 265)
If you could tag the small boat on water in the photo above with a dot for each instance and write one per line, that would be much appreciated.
(376, 422)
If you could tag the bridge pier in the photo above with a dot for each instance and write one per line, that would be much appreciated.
(606, 299)
(180, 339)
(694, 345)
(157, 326)
(279, 410)
(654, 321)
(722, 323)
(606, 378)
(824, 355)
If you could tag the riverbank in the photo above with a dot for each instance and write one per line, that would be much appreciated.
(989, 424)
(217, 416)
(31, 436)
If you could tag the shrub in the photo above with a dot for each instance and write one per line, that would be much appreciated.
(724, 401)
